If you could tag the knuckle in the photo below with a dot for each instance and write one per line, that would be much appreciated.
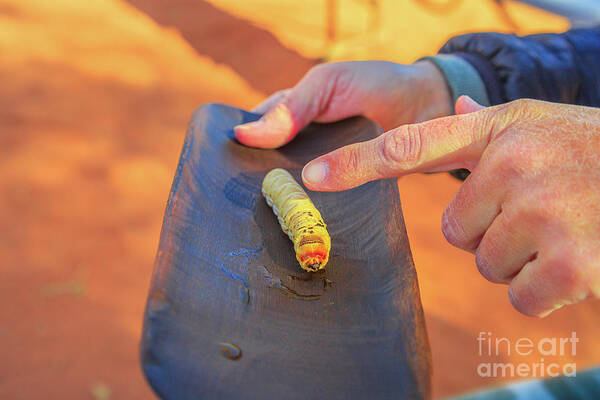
(513, 162)
(280, 94)
(484, 265)
(322, 83)
(514, 166)
(538, 208)
(522, 300)
(451, 228)
(567, 273)
(320, 70)
(517, 108)
(520, 104)
(504, 116)
(352, 159)
(275, 99)
(484, 259)
(546, 207)
(403, 146)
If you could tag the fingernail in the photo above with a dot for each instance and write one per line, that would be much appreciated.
(315, 172)
(249, 125)
(554, 308)
(448, 228)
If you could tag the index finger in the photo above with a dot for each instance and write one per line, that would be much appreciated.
(437, 145)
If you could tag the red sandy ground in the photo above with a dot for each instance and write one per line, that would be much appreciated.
(94, 104)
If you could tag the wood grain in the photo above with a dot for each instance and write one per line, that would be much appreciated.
(230, 313)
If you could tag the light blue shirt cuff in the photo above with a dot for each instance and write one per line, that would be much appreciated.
(462, 78)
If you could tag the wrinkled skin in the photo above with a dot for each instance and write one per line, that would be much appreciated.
(530, 210)
(379, 90)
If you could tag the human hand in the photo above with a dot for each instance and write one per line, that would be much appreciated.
(530, 210)
(391, 94)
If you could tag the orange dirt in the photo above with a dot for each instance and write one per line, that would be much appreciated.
(95, 100)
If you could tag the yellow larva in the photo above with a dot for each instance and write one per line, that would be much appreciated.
(299, 219)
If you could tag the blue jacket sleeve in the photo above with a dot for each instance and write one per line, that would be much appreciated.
(563, 68)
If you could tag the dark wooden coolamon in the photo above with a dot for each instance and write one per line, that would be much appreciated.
(230, 313)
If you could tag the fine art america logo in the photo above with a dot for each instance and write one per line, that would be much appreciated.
(543, 350)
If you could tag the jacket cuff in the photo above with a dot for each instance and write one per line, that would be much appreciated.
(461, 77)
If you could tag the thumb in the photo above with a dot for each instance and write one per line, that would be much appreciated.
(437, 145)
(292, 113)
(466, 105)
